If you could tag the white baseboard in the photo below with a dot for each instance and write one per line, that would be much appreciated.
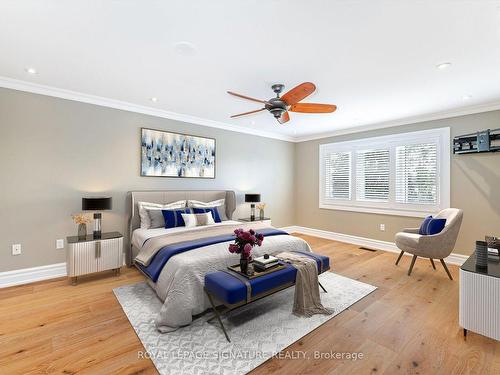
(51, 271)
(30, 275)
(457, 259)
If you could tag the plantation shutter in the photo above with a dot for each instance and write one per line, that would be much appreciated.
(337, 175)
(417, 173)
(372, 175)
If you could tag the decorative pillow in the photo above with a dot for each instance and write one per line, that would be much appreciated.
(144, 206)
(423, 226)
(435, 226)
(220, 206)
(173, 218)
(193, 203)
(431, 226)
(156, 218)
(193, 220)
(212, 210)
(204, 219)
(189, 220)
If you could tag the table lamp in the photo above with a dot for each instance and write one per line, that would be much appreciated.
(97, 204)
(252, 198)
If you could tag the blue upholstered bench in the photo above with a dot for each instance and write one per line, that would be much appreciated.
(234, 290)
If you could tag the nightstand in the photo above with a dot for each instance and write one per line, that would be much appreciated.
(266, 220)
(91, 254)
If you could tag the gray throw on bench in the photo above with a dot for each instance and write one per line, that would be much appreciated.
(307, 301)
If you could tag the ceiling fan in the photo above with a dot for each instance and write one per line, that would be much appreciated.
(279, 106)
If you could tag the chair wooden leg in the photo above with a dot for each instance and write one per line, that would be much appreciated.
(446, 269)
(432, 262)
(412, 264)
(399, 257)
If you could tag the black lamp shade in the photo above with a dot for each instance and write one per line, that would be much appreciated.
(96, 204)
(252, 198)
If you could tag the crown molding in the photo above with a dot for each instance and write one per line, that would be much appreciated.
(492, 106)
(36, 88)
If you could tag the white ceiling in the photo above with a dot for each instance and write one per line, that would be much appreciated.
(376, 60)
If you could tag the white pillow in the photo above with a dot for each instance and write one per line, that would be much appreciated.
(193, 220)
(199, 204)
(144, 206)
(189, 220)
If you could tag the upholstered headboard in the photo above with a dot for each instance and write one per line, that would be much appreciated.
(167, 196)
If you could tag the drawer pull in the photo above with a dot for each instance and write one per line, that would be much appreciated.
(98, 249)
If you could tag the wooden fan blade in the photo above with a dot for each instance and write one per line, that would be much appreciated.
(298, 93)
(247, 97)
(285, 117)
(247, 113)
(312, 108)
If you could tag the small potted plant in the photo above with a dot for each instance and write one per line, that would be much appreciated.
(82, 220)
(243, 245)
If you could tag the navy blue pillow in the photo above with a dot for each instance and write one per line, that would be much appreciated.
(435, 226)
(213, 210)
(423, 226)
(173, 218)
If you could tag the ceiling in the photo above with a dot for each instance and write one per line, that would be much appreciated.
(376, 60)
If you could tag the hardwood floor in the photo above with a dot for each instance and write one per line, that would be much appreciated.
(408, 325)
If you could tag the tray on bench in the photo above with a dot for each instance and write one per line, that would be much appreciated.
(236, 268)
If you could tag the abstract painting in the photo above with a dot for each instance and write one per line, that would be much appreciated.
(166, 154)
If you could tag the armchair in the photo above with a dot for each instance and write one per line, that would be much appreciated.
(437, 246)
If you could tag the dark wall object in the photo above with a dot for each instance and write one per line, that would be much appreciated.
(482, 141)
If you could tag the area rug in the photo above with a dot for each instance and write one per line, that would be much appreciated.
(258, 331)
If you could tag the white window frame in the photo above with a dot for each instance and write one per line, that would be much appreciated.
(441, 136)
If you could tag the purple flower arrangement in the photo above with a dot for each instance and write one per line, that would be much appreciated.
(244, 242)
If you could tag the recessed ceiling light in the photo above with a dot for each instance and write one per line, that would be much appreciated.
(31, 70)
(467, 97)
(443, 66)
(185, 48)
(154, 100)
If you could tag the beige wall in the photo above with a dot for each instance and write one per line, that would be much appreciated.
(475, 187)
(54, 151)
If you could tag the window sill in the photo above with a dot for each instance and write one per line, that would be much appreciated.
(380, 211)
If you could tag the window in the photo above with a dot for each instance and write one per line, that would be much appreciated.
(338, 169)
(416, 173)
(372, 175)
(404, 174)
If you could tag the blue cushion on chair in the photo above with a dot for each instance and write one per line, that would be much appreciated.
(435, 226)
(423, 226)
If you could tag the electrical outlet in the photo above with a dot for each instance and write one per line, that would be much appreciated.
(60, 244)
(16, 249)
(382, 227)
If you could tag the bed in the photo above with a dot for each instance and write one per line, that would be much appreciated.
(182, 256)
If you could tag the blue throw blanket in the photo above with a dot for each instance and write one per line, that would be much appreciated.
(162, 257)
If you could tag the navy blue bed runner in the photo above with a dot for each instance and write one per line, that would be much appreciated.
(162, 257)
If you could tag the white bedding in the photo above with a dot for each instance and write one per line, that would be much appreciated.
(180, 284)
(141, 235)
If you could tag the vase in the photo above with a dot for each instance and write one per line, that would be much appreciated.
(244, 265)
(82, 231)
(261, 214)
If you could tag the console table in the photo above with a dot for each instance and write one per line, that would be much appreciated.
(88, 255)
(480, 297)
